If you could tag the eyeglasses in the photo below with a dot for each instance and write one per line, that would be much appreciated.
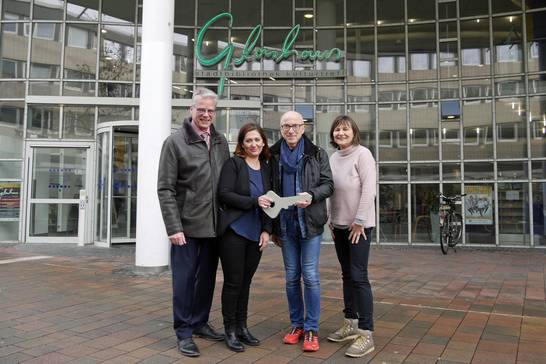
(201, 111)
(287, 127)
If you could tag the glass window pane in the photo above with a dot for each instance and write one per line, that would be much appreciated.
(330, 94)
(390, 11)
(85, 10)
(184, 12)
(392, 133)
(425, 172)
(364, 117)
(79, 88)
(538, 169)
(15, 9)
(537, 118)
(245, 93)
(447, 10)
(213, 43)
(507, 43)
(360, 55)
(451, 172)
(475, 49)
(119, 11)
(208, 9)
(12, 90)
(534, 4)
(451, 140)
(393, 213)
(479, 214)
(10, 207)
(360, 93)
(423, 91)
(424, 213)
(536, 41)
(478, 171)
(10, 169)
(421, 10)
(503, 6)
(302, 93)
(360, 12)
(46, 88)
(13, 49)
(424, 131)
(11, 129)
(278, 13)
(329, 12)
(511, 128)
(391, 53)
(473, 7)
(478, 130)
(238, 118)
(46, 50)
(304, 18)
(114, 113)
(43, 121)
(183, 56)
(80, 52)
(512, 170)
(422, 52)
(325, 114)
(539, 213)
(510, 86)
(79, 122)
(117, 53)
(393, 172)
(449, 60)
(53, 220)
(111, 89)
(514, 214)
(246, 13)
(48, 10)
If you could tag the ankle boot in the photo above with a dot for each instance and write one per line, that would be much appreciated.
(246, 337)
(232, 342)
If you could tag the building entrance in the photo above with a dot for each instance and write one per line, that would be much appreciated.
(116, 196)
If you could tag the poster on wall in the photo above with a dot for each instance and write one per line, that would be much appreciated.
(10, 200)
(478, 205)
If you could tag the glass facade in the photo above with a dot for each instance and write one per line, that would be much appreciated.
(450, 96)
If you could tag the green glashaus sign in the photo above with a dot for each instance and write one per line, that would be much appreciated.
(253, 53)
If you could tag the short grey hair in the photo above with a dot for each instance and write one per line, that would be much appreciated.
(203, 93)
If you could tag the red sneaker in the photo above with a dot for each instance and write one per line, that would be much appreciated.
(293, 336)
(310, 342)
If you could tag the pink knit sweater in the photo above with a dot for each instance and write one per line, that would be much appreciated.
(354, 175)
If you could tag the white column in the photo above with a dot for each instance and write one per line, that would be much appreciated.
(152, 245)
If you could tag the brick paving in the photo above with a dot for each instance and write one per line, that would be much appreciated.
(81, 306)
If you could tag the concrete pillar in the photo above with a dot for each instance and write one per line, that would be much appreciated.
(152, 245)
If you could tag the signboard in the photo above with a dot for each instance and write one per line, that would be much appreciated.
(251, 52)
(10, 201)
(478, 205)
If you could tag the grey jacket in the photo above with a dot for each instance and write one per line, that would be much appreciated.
(188, 180)
(316, 179)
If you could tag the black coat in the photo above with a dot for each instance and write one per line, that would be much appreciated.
(234, 193)
(187, 181)
(316, 179)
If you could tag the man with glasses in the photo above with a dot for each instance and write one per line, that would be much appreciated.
(300, 166)
(189, 167)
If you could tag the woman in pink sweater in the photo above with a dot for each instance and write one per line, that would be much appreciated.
(352, 218)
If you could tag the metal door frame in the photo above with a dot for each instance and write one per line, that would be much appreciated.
(90, 177)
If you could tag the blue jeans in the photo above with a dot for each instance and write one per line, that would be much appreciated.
(301, 257)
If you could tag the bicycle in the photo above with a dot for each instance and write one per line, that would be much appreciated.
(451, 222)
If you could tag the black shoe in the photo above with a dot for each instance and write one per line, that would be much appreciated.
(207, 332)
(246, 337)
(188, 348)
(233, 343)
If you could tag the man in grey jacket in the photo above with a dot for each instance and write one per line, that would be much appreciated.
(189, 167)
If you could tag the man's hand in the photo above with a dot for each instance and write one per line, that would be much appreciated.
(264, 240)
(302, 204)
(276, 240)
(178, 239)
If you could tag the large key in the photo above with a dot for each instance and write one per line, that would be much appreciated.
(284, 202)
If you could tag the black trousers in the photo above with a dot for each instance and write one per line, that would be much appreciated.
(357, 291)
(193, 267)
(240, 258)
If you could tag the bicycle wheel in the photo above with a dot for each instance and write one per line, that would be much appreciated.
(445, 236)
(456, 229)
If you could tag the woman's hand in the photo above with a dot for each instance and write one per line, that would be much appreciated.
(264, 240)
(355, 232)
